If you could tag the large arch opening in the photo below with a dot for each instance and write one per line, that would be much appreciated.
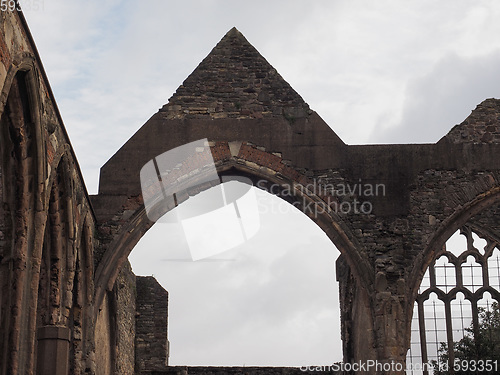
(125, 227)
(186, 179)
(270, 300)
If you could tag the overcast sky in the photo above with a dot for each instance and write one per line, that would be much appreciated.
(377, 72)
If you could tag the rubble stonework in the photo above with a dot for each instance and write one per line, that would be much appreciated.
(69, 302)
(251, 88)
(151, 325)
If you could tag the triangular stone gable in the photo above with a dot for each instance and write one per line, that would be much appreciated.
(482, 125)
(235, 81)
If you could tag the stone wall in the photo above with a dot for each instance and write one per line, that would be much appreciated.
(131, 328)
(480, 127)
(125, 291)
(104, 340)
(151, 343)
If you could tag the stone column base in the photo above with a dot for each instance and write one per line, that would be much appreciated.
(53, 350)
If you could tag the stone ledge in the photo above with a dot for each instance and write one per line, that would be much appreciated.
(213, 370)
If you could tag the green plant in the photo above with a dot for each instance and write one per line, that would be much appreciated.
(473, 351)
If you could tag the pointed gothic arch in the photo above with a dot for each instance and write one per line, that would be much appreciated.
(482, 202)
(461, 294)
(136, 222)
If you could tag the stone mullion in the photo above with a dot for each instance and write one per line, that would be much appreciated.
(423, 338)
(486, 272)
(56, 254)
(75, 322)
(72, 301)
(71, 258)
(87, 299)
(54, 336)
(69, 277)
(432, 275)
(475, 322)
(470, 239)
(449, 336)
(40, 222)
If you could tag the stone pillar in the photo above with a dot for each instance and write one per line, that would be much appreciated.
(390, 323)
(374, 326)
(152, 347)
(53, 350)
(358, 338)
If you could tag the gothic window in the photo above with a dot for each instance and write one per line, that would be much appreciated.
(456, 286)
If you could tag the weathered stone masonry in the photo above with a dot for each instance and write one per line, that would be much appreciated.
(69, 302)
(151, 322)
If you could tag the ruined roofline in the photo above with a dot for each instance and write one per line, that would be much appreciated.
(481, 126)
(235, 81)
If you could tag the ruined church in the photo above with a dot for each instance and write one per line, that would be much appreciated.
(69, 302)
